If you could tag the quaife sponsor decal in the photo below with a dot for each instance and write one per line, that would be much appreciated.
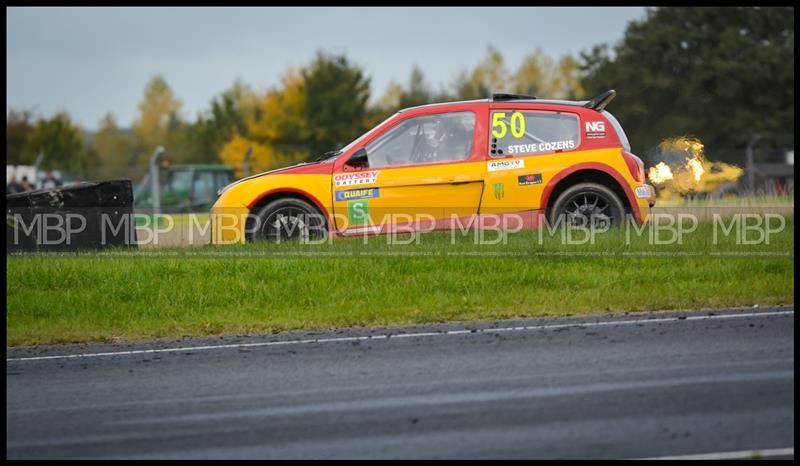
(540, 147)
(525, 180)
(511, 164)
(353, 194)
(356, 178)
(595, 129)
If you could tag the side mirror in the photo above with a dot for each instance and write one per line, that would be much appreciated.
(359, 158)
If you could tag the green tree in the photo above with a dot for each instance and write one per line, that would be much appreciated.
(335, 102)
(226, 119)
(721, 74)
(19, 125)
(61, 142)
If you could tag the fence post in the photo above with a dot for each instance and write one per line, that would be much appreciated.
(155, 186)
(246, 162)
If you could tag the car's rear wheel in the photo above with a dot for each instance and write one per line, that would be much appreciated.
(287, 219)
(587, 204)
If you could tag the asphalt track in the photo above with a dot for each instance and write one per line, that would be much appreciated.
(631, 386)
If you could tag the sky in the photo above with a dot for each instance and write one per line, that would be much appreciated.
(89, 61)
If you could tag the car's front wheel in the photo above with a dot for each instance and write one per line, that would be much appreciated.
(587, 204)
(287, 219)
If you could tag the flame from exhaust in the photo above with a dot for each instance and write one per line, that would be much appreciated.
(660, 173)
(683, 168)
(687, 167)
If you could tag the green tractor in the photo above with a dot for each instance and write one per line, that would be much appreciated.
(185, 188)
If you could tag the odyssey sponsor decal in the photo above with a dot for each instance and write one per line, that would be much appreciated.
(541, 147)
(353, 194)
(525, 180)
(595, 129)
(356, 178)
(511, 164)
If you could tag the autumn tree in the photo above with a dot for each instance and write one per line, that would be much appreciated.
(488, 76)
(159, 117)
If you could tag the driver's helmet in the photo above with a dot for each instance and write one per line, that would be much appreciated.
(450, 138)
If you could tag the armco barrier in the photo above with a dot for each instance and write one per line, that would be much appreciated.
(89, 215)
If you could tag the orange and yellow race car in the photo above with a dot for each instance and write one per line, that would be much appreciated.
(451, 165)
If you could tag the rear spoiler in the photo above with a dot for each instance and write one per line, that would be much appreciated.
(600, 102)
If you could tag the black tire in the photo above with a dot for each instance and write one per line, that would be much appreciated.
(587, 202)
(287, 219)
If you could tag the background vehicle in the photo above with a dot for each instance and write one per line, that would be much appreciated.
(185, 188)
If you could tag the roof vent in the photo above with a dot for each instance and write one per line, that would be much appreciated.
(502, 97)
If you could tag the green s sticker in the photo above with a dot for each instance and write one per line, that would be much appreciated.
(358, 212)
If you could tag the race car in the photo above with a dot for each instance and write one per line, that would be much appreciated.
(451, 165)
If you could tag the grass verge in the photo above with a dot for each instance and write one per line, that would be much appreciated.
(122, 295)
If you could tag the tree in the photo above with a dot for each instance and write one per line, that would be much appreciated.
(19, 125)
(721, 74)
(488, 76)
(227, 118)
(397, 97)
(536, 75)
(61, 142)
(158, 117)
(336, 95)
(115, 149)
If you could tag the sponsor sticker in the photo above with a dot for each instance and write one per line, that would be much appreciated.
(499, 191)
(540, 147)
(358, 212)
(645, 192)
(511, 164)
(356, 178)
(595, 129)
(353, 194)
(525, 180)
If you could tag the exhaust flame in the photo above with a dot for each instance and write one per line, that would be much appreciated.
(660, 173)
(684, 169)
(696, 168)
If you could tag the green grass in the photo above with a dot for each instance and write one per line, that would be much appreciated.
(240, 289)
(729, 201)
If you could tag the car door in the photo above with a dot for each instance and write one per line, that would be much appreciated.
(524, 147)
(425, 170)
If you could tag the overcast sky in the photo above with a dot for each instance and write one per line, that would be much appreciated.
(89, 61)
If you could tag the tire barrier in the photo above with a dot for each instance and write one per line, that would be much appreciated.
(88, 215)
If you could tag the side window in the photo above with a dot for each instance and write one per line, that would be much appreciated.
(203, 189)
(516, 132)
(179, 181)
(424, 139)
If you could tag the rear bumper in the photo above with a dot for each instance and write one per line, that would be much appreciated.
(647, 193)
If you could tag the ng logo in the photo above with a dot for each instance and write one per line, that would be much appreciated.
(593, 126)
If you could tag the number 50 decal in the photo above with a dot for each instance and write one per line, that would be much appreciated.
(499, 127)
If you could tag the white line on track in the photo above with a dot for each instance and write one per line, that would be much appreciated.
(410, 335)
(732, 455)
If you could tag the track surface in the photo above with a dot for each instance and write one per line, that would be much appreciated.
(595, 387)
